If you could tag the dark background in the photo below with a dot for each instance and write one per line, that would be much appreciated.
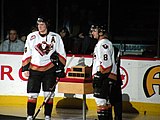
(131, 21)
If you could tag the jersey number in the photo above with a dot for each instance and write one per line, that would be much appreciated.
(105, 57)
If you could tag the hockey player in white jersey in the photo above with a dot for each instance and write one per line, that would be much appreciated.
(102, 67)
(43, 50)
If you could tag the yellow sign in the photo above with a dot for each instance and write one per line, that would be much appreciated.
(151, 78)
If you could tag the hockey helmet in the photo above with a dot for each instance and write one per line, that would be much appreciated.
(100, 28)
(43, 19)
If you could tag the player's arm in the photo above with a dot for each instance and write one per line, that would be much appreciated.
(26, 58)
(58, 58)
(61, 50)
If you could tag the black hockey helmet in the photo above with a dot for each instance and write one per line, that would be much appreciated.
(100, 28)
(44, 19)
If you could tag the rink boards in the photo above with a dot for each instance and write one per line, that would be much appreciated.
(140, 77)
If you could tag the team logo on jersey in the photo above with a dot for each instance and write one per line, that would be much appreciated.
(43, 48)
(32, 37)
(105, 46)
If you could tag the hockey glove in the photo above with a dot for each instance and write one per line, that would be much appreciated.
(100, 85)
(26, 67)
(54, 58)
(97, 80)
(58, 65)
(60, 72)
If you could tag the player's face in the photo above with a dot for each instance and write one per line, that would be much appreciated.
(42, 27)
(95, 33)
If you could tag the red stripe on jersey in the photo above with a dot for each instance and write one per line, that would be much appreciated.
(41, 66)
(26, 59)
(104, 69)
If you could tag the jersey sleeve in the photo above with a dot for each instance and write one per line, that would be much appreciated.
(26, 58)
(61, 50)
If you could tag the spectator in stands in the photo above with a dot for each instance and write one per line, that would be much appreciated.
(12, 44)
(67, 40)
(23, 37)
(88, 44)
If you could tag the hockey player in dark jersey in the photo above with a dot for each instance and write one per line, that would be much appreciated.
(38, 64)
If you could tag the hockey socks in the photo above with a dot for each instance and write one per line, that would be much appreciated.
(105, 114)
(31, 105)
(48, 108)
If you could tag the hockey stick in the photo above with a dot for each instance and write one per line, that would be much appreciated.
(46, 99)
(52, 92)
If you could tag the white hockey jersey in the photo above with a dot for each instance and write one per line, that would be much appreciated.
(38, 50)
(102, 56)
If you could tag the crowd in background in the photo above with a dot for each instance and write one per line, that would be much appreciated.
(74, 27)
(77, 17)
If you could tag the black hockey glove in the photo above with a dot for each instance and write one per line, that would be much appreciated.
(54, 58)
(97, 80)
(58, 65)
(100, 85)
(26, 67)
(60, 72)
